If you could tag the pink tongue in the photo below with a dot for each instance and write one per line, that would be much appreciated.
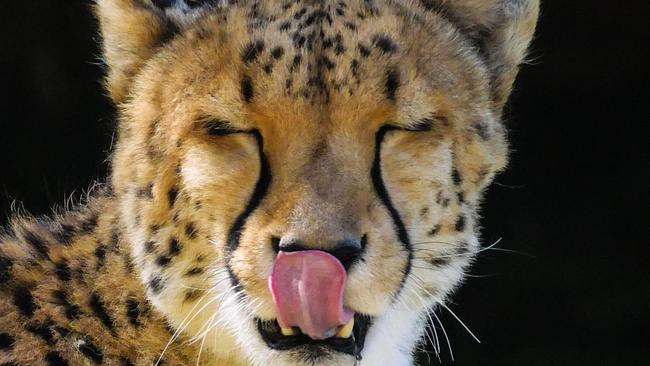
(307, 288)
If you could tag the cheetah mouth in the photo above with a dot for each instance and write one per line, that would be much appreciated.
(349, 339)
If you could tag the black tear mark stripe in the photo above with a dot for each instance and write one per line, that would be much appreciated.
(261, 188)
(382, 193)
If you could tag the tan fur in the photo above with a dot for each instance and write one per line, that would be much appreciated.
(318, 103)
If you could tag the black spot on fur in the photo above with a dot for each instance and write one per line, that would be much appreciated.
(340, 12)
(88, 225)
(194, 271)
(298, 40)
(392, 83)
(364, 50)
(62, 270)
(327, 63)
(72, 311)
(172, 195)
(460, 223)
(55, 359)
(277, 52)
(354, 66)
(434, 231)
(299, 14)
(250, 53)
(247, 88)
(150, 246)
(424, 212)
(126, 362)
(163, 261)
(37, 243)
(455, 176)
(133, 312)
(350, 26)
(100, 254)
(100, 311)
(461, 197)
(384, 43)
(24, 301)
(268, 69)
(439, 261)
(5, 269)
(145, 192)
(42, 330)
(65, 234)
(328, 43)
(174, 247)
(192, 295)
(296, 62)
(339, 49)
(156, 284)
(191, 231)
(6, 341)
(285, 26)
(482, 131)
(91, 351)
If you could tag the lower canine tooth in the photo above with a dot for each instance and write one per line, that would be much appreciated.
(346, 330)
(287, 332)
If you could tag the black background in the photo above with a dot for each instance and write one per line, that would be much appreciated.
(573, 203)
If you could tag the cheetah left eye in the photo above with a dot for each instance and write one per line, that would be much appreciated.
(219, 127)
(425, 124)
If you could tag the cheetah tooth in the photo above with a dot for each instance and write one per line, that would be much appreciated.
(287, 332)
(346, 330)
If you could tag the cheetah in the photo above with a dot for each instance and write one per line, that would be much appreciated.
(294, 182)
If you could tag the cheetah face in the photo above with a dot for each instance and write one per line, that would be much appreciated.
(300, 185)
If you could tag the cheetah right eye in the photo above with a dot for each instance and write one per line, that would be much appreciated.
(219, 127)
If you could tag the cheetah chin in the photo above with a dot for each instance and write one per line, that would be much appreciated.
(293, 183)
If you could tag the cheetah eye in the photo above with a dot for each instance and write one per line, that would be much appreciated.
(425, 124)
(217, 127)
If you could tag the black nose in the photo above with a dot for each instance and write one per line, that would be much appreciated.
(346, 251)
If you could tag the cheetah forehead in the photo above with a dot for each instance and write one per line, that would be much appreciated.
(321, 50)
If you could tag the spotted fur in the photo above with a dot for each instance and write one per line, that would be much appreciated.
(242, 122)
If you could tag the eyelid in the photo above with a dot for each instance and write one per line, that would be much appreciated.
(219, 127)
(425, 124)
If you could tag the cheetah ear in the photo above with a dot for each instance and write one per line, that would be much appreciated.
(501, 30)
(132, 31)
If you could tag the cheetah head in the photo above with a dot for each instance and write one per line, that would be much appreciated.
(300, 180)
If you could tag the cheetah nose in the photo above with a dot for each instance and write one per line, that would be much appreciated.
(346, 251)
